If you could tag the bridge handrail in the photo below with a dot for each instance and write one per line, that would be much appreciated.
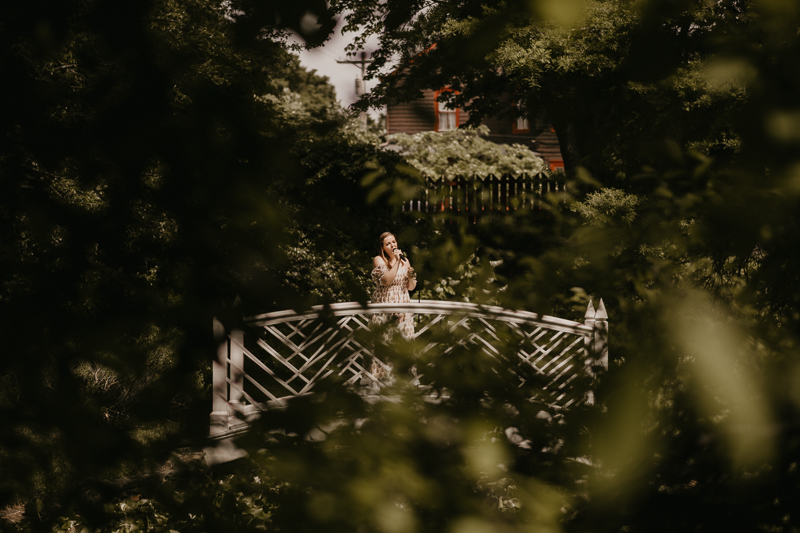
(552, 353)
(421, 307)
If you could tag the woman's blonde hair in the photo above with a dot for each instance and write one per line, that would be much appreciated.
(383, 238)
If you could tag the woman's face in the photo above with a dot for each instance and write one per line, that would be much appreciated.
(389, 244)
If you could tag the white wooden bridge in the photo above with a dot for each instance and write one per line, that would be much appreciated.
(281, 355)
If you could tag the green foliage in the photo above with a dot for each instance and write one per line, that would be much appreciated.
(334, 223)
(377, 126)
(315, 93)
(463, 152)
(693, 250)
(134, 206)
(192, 501)
(474, 281)
(601, 207)
(594, 73)
(326, 274)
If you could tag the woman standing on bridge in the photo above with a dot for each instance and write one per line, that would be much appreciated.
(393, 277)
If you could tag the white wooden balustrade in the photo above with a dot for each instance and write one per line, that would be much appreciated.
(287, 352)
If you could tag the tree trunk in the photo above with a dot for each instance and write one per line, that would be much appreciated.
(563, 121)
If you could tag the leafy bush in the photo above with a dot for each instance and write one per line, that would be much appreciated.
(464, 152)
(606, 206)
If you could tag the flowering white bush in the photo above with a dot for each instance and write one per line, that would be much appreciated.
(464, 152)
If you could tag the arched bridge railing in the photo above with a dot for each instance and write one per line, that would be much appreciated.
(286, 353)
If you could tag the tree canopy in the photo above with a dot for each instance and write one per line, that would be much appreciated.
(594, 68)
(138, 148)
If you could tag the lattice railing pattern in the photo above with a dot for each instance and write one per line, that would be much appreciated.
(287, 353)
(557, 356)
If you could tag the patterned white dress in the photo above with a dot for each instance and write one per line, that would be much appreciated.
(395, 292)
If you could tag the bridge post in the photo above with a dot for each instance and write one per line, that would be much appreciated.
(600, 327)
(596, 344)
(588, 343)
(236, 354)
(219, 410)
(588, 319)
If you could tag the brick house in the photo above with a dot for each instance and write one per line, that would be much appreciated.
(426, 114)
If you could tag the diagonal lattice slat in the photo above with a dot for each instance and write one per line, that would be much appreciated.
(285, 354)
(292, 353)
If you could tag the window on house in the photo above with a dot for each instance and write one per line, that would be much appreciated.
(446, 119)
(521, 124)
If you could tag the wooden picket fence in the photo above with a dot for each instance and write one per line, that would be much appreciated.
(474, 196)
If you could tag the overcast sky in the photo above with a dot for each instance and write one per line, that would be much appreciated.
(342, 76)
